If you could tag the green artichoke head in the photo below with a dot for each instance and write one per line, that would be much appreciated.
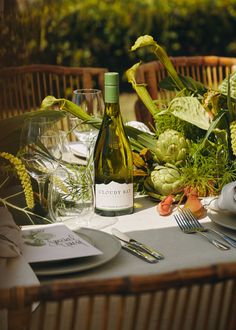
(172, 147)
(166, 180)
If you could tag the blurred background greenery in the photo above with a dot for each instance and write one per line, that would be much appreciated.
(100, 33)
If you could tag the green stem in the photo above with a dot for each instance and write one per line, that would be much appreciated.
(2, 184)
(28, 213)
(41, 184)
(14, 195)
(164, 59)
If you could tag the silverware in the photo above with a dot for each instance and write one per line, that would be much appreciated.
(195, 221)
(189, 228)
(137, 245)
(138, 253)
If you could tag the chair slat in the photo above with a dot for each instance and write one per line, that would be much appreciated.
(28, 85)
(198, 292)
(231, 316)
(172, 309)
(20, 84)
(135, 312)
(88, 316)
(149, 312)
(215, 80)
(32, 88)
(220, 307)
(208, 308)
(182, 316)
(196, 308)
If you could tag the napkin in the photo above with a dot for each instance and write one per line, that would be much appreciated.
(10, 235)
(226, 202)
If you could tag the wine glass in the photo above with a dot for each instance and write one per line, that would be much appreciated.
(40, 151)
(71, 196)
(71, 199)
(91, 102)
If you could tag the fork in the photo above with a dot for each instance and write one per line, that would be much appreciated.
(188, 228)
(191, 217)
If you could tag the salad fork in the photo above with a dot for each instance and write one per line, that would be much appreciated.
(191, 217)
(189, 228)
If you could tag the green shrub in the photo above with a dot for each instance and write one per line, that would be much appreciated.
(100, 33)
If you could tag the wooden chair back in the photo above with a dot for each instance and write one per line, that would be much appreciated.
(209, 70)
(201, 298)
(23, 88)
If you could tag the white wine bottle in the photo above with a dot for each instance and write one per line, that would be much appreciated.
(113, 163)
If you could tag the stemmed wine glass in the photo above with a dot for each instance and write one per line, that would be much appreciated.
(71, 196)
(40, 151)
(71, 199)
(91, 102)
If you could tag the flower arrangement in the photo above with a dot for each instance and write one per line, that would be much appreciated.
(18, 169)
(23, 176)
(192, 149)
(196, 132)
(193, 144)
(17, 192)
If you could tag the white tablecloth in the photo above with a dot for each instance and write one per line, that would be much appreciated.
(180, 250)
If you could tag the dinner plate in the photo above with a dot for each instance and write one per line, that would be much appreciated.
(223, 219)
(79, 149)
(108, 244)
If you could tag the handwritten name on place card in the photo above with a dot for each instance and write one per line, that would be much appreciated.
(54, 242)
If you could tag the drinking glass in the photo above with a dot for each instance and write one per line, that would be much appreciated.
(71, 199)
(40, 151)
(91, 102)
(71, 196)
(67, 155)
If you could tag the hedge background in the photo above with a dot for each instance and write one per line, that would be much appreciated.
(100, 33)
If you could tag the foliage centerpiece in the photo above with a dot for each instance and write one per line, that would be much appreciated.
(196, 131)
(193, 143)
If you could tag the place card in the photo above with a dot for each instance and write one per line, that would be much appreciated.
(54, 242)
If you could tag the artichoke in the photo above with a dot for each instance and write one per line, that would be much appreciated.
(172, 147)
(164, 180)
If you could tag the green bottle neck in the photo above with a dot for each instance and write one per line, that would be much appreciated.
(111, 94)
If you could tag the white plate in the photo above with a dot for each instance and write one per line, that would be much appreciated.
(108, 244)
(223, 219)
(78, 149)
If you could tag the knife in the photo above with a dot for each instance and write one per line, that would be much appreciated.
(138, 253)
(227, 238)
(138, 245)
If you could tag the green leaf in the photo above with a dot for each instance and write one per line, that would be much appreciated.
(188, 108)
(141, 90)
(70, 107)
(212, 128)
(10, 128)
(147, 41)
(141, 138)
(189, 83)
(223, 87)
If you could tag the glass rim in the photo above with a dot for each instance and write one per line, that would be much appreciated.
(87, 91)
(39, 122)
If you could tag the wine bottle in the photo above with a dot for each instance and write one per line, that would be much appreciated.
(113, 163)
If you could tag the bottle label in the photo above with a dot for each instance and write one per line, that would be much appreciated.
(114, 196)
